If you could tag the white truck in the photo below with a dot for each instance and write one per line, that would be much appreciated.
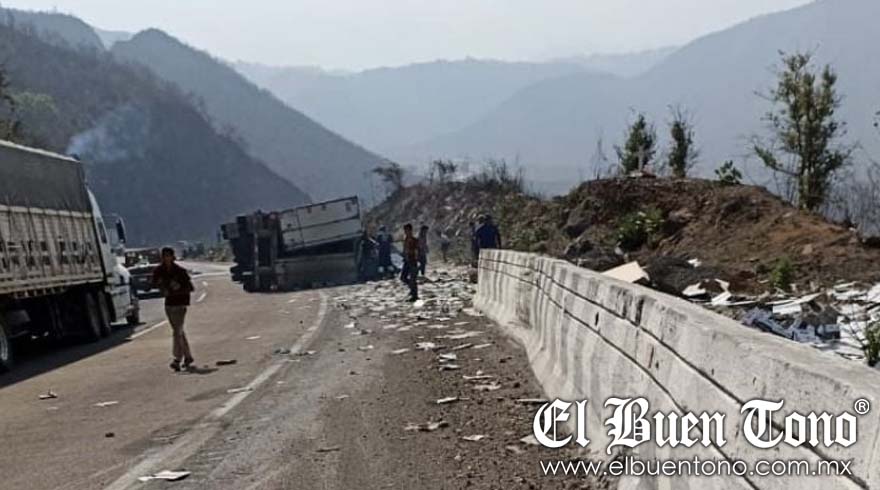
(307, 246)
(58, 273)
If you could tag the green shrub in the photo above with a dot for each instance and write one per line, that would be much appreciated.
(728, 174)
(639, 228)
(782, 273)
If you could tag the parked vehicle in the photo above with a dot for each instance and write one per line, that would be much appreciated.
(140, 263)
(307, 246)
(58, 273)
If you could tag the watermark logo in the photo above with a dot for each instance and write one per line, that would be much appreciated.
(631, 423)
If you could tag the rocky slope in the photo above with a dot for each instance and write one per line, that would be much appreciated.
(738, 233)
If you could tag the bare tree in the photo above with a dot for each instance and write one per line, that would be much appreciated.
(392, 175)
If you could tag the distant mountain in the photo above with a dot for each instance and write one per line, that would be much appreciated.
(291, 144)
(553, 125)
(622, 64)
(150, 155)
(109, 38)
(59, 29)
(388, 108)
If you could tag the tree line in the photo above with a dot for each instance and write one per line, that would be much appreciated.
(803, 146)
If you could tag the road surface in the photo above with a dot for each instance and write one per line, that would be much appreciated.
(320, 396)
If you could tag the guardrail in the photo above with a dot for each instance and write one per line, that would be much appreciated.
(592, 337)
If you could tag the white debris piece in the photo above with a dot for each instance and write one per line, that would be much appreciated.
(426, 346)
(490, 387)
(426, 427)
(461, 336)
(107, 404)
(631, 272)
(450, 399)
(166, 475)
(400, 351)
(475, 438)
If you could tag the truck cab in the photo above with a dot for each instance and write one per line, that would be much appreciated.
(123, 303)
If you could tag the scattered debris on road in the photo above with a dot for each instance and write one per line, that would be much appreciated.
(450, 399)
(107, 404)
(239, 390)
(49, 395)
(166, 475)
(426, 427)
(475, 438)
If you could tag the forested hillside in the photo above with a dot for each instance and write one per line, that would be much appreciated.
(150, 155)
(291, 144)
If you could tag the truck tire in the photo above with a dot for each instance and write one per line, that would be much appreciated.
(106, 318)
(5, 350)
(92, 317)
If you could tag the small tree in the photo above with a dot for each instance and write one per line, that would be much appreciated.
(640, 145)
(728, 174)
(392, 175)
(804, 128)
(10, 126)
(683, 153)
(444, 171)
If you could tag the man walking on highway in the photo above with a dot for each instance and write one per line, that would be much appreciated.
(411, 262)
(175, 284)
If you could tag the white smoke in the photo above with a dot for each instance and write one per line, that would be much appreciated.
(120, 134)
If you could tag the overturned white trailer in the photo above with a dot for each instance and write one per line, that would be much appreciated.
(310, 245)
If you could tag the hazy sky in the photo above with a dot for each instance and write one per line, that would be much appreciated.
(354, 34)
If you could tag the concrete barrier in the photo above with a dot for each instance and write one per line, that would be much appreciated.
(592, 337)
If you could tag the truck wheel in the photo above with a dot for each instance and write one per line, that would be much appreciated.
(92, 318)
(5, 350)
(106, 319)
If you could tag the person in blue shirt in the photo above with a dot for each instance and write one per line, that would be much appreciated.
(487, 235)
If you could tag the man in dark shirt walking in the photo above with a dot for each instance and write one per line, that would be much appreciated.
(175, 284)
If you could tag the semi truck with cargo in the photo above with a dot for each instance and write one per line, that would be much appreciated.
(59, 275)
(313, 245)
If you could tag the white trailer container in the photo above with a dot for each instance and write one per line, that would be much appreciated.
(308, 246)
(319, 224)
(58, 273)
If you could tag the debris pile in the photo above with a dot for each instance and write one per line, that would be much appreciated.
(834, 320)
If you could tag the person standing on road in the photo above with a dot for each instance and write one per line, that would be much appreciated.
(411, 262)
(175, 284)
(386, 267)
(475, 249)
(423, 249)
(444, 244)
(487, 235)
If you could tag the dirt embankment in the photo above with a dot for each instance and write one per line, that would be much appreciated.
(738, 233)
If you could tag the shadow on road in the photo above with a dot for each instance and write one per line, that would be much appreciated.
(33, 358)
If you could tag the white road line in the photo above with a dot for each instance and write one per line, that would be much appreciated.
(147, 330)
(187, 444)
